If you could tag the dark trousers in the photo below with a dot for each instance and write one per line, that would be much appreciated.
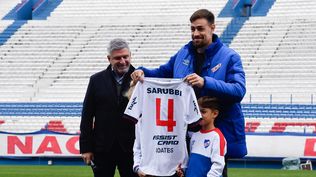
(175, 175)
(106, 163)
(225, 168)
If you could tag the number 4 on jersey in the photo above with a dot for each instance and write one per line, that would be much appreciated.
(170, 123)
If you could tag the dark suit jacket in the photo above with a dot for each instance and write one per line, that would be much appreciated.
(102, 103)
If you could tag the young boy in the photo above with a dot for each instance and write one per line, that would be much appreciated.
(208, 146)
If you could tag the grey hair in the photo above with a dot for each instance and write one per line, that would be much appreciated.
(117, 44)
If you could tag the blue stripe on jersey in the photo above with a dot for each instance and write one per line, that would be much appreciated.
(198, 166)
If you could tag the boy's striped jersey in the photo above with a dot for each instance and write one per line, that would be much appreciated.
(207, 154)
(165, 108)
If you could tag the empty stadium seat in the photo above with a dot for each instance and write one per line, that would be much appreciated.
(56, 126)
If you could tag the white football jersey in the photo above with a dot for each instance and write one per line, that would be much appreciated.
(166, 107)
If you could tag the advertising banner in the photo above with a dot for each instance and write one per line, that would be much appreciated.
(281, 145)
(46, 143)
(41, 143)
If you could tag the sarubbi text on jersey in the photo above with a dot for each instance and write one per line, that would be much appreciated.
(151, 90)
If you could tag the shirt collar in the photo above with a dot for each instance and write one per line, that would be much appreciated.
(119, 79)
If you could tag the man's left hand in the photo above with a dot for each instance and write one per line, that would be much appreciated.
(195, 80)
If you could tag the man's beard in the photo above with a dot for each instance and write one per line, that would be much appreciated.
(121, 72)
(200, 44)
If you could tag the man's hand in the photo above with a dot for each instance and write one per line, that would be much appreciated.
(137, 75)
(87, 157)
(195, 80)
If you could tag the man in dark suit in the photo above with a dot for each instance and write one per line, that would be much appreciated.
(106, 138)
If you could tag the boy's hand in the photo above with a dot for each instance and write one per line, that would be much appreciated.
(141, 174)
(179, 171)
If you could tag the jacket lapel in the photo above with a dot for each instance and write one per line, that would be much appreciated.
(127, 79)
(110, 83)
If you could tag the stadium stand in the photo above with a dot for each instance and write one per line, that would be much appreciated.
(7, 8)
(50, 60)
(293, 8)
(135, 9)
(65, 117)
(44, 10)
(251, 126)
(56, 126)
(45, 63)
(30, 124)
(279, 59)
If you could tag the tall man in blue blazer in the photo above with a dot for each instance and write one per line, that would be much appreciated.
(213, 70)
(106, 139)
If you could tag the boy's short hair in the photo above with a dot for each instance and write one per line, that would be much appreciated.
(210, 102)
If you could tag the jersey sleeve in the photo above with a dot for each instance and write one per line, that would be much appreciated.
(217, 156)
(192, 111)
(133, 110)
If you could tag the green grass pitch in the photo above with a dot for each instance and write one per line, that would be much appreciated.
(84, 171)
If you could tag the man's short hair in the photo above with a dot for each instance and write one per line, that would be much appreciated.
(117, 44)
(210, 102)
(203, 13)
